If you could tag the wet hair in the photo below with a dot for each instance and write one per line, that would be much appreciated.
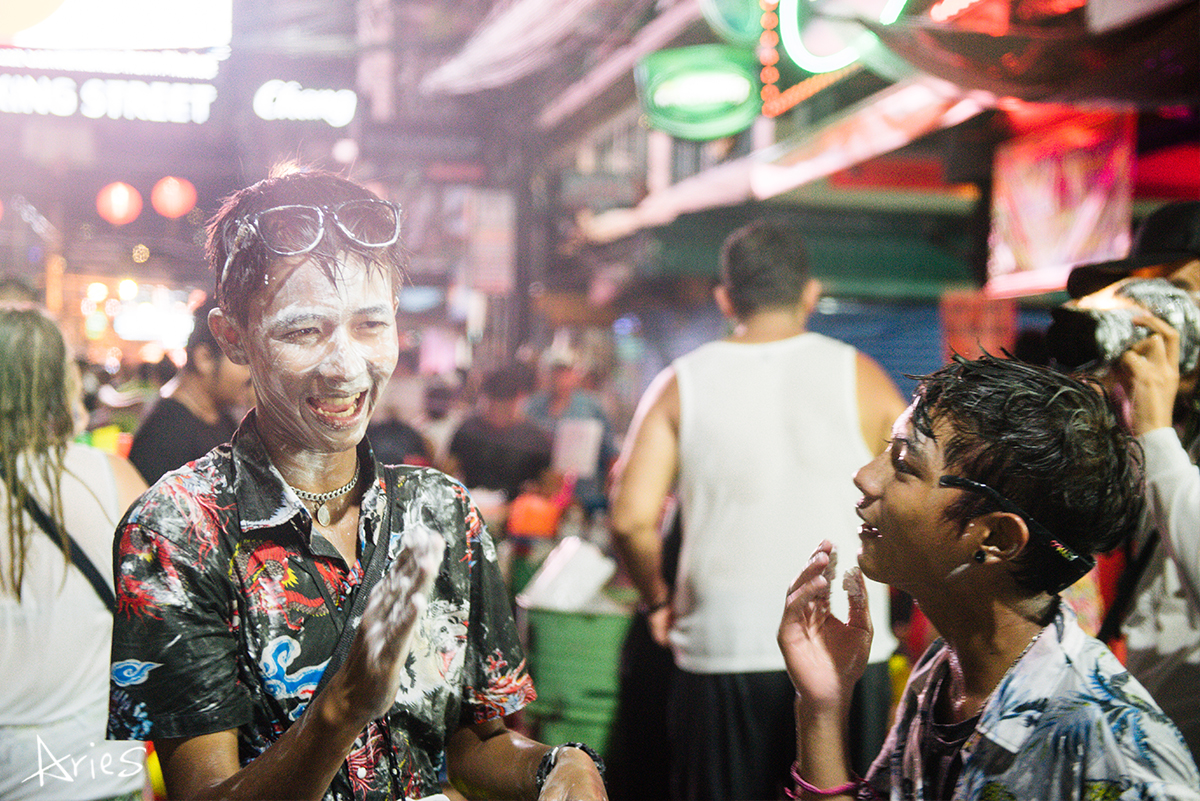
(764, 265)
(37, 393)
(1050, 443)
(251, 260)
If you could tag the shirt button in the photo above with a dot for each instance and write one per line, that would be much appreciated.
(362, 773)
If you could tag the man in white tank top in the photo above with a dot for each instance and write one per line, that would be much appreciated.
(758, 435)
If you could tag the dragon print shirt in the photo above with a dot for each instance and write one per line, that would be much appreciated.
(230, 605)
(1067, 722)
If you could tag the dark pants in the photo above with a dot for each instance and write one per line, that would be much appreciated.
(637, 745)
(733, 737)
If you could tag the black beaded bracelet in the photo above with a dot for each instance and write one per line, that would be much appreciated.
(551, 757)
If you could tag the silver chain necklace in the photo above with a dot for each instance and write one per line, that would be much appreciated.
(321, 512)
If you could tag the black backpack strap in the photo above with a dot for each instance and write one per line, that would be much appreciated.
(1126, 586)
(371, 576)
(71, 547)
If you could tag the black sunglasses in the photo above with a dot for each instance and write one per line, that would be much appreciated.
(1076, 564)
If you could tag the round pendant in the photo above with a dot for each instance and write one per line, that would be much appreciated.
(323, 515)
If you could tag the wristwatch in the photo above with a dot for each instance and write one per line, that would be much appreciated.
(551, 757)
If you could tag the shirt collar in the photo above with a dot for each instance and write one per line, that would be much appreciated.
(265, 500)
(1018, 703)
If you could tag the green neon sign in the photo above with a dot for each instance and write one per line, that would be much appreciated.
(702, 92)
(795, 15)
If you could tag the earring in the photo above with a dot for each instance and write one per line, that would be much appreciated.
(979, 556)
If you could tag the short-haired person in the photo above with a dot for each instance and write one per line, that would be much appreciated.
(756, 434)
(498, 448)
(1000, 481)
(237, 574)
(195, 412)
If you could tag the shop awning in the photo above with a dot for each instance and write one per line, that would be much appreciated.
(882, 123)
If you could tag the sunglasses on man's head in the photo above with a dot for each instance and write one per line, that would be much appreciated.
(296, 229)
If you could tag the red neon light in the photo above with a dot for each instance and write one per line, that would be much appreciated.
(948, 9)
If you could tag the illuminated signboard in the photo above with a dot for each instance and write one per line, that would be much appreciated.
(701, 92)
(828, 48)
(824, 43)
(288, 100)
(118, 25)
(160, 56)
(112, 98)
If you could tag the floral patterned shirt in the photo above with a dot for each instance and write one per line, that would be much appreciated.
(1067, 722)
(230, 605)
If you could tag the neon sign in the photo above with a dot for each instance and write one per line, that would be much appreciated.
(700, 92)
(114, 98)
(795, 14)
(828, 69)
(288, 100)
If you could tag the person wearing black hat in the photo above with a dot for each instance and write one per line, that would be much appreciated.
(1167, 244)
(1157, 607)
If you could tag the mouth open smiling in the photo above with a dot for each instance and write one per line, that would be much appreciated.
(866, 530)
(338, 411)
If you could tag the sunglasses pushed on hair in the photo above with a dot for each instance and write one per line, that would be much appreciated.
(1074, 564)
(296, 229)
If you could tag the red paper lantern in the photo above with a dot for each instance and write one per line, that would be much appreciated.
(173, 197)
(119, 203)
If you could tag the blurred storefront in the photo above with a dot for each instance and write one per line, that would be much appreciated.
(950, 160)
(569, 169)
(102, 101)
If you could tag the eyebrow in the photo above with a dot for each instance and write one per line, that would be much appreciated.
(304, 317)
(295, 319)
(382, 309)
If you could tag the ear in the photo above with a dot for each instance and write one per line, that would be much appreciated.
(229, 335)
(724, 303)
(810, 296)
(1002, 536)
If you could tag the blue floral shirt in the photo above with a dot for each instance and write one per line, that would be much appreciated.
(1067, 722)
(229, 607)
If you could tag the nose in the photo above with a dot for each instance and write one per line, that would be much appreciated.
(867, 478)
(344, 359)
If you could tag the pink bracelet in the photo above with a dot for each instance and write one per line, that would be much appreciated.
(849, 788)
